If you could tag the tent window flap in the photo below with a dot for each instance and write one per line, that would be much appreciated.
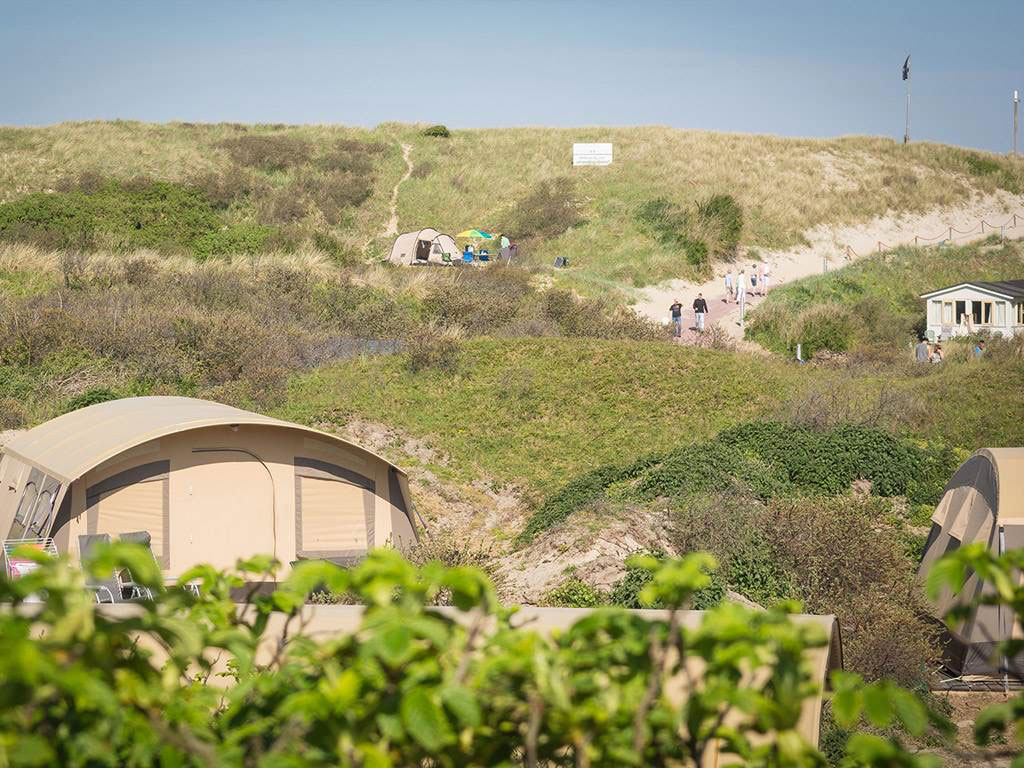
(334, 511)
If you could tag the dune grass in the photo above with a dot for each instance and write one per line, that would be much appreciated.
(477, 178)
(786, 186)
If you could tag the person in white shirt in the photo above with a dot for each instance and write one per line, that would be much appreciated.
(766, 270)
(741, 287)
(729, 281)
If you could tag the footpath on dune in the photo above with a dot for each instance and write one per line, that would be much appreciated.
(834, 247)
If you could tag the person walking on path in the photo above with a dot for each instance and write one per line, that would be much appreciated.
(760, 278)
(729, 291)
(700, 309)
(677, 318)
(741, 287)
(766, 271)
(753, 279)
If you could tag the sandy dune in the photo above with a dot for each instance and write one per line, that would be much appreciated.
(834, 247)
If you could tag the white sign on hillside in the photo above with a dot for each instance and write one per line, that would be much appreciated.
(591, 154)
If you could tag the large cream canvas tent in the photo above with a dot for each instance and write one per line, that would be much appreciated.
(425, 246)
(208, 482)
(984, 501)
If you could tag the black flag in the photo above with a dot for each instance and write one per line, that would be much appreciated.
(906, 69)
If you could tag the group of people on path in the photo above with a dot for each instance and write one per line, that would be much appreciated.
(700, 311)
(736, 286)
(926, 353)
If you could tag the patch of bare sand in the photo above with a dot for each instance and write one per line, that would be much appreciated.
(964, 710)
(593, 548)
(833, 247)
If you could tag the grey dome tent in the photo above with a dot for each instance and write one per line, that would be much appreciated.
(425, 246)
(984, 501)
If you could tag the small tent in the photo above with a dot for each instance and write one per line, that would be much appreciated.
(210, 484)
(425, 246)
(984, 501)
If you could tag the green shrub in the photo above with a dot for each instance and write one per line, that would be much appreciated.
(574, 593)
(411, 686)
(724, 216)
(90, 397)
(141, 213)
(827, 327)
(234, 239)
(437, 131)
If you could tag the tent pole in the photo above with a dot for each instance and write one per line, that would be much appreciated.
(1006, 664)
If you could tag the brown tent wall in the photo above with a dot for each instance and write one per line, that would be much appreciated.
(211, 494)
(983, 502)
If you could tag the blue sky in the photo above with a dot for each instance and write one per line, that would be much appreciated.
(791, 68)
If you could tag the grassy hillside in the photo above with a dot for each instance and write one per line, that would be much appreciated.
(327, 188)
(538, 411)
(874, 301)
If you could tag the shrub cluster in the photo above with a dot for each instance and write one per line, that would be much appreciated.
(413, 686)
(268, 152)
(711, 230)
(437, 131)
(768, 460)
(549, 210)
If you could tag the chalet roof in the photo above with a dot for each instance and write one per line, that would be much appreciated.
(1009, 289)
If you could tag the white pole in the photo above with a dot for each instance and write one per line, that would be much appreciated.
(1016, 101)
(906, 133)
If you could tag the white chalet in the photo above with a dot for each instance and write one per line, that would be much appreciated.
(976, 306)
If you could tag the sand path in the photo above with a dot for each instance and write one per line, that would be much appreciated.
(392, 228)
(833, 247)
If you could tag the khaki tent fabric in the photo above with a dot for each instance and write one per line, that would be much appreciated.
(983, 502)
(432, 242)
(208, 482)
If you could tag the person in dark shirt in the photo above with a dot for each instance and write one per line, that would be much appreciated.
(700, 309)
(677, 318)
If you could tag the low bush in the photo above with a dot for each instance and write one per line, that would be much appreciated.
(550, 209)
(827, 327)
(437, 131)
(136, 690)
(712, 230)
(432, 349)
(268, 152)
(764, 460)
(574, 593)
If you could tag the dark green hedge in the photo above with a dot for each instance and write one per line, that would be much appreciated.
(768, 459)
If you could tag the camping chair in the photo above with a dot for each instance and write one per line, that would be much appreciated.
(110, 588)
(485, 255)
(446, 258)
(143, 538)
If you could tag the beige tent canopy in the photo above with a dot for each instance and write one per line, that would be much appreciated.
(984, 501)
(426, 246)
(208, 482)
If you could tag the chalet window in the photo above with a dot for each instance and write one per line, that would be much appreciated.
(976, 312)
(1020, 313)
(961, 312)
(936, 312)
(986, 312)
(947, 312)
(1000, 313)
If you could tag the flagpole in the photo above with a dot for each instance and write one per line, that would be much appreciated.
(906, 132)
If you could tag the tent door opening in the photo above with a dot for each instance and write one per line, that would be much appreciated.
(243, 523)
(422, 250)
